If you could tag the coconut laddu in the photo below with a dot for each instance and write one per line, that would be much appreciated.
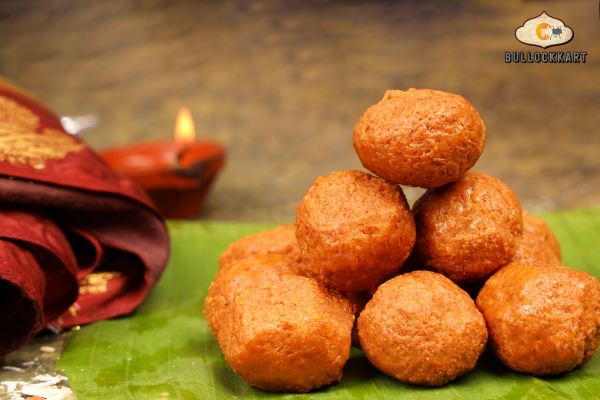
(421, 328)
(290, 334)
(468, 229)
(538, 242)
(230, 281)
(542, 318)
(354, 229)
(424, 138)
(280, 240)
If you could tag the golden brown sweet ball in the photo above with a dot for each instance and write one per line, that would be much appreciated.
(288, 335)
(538, 243)
(354, 229)
(421, 328)
(542, 318)
(468, 229)
(281, 240)
(425, 138)
(230, 281)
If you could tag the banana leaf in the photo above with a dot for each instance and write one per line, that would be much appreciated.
(165, 350)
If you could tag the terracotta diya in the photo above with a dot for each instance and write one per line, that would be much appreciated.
(176, 173)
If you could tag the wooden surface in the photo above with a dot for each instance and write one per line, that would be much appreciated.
(283, 84)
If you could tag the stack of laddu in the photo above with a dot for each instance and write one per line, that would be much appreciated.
(360, 267)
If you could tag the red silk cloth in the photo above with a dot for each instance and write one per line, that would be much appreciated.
(78, 241)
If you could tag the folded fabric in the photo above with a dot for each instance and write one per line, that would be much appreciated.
(78, 241)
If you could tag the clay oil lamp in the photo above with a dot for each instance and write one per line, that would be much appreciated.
(176, 173)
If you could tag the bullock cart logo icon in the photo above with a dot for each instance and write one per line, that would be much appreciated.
(544, 31)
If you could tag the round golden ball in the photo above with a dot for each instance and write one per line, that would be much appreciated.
(424, 138)
(542, 318)
(354, 229)
(422, 329)
(280, 240)
(468, 229)
(288, 335)
(230, 281)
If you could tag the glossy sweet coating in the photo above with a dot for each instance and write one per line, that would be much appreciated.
(288, 335)
(538, 242)
(542, 318)
(230, 281)
(280, 240)
(425, 138)
(468, 229)
(421, 328)
(354, 229)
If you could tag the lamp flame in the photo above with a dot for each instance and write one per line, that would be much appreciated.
(185, 133)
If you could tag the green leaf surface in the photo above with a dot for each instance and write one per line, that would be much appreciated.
(165, 346)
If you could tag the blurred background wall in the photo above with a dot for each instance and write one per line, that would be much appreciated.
(283, 83)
